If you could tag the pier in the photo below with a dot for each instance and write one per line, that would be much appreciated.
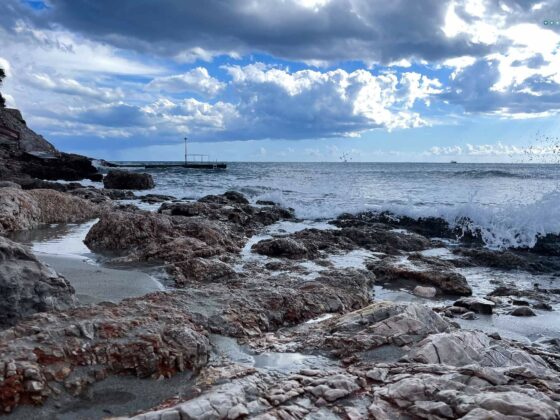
(192, 161)
(162, 165)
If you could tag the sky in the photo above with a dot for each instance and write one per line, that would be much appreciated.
(288, 80)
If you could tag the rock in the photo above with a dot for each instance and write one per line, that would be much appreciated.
(146, 337)
(281, 247)
(65, 166)
(478, 305)
(18, 210)
(124, 180)
(469, 316)
(542, 306)
(28, 286)
(201, 270)
(548, 244)
(425, 292)
(156, 198)
(439, 275)
(266, 203)
(229, 197)
(25, 158)
(378, 325)
(462, 348)
(519, 302)
(9, 184)
(21, 210)
(490, 258)
(58, 207)
(523, 311)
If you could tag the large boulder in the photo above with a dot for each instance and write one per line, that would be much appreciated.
(22, 210)
(124, 180)
(28, 286)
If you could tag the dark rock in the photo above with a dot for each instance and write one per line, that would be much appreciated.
(124, 180)
(518, 302)
(523, 311)
(281, 247)
(33, 184)
(547, 245)
(28, 286)
(230, 197)
(266, 203)
(478, 305)
(489, 258)
(543, 306)
(443, 278)
(156, 198)
(65, 166)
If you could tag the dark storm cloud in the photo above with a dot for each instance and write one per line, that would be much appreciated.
(373, 30)
(472, 90)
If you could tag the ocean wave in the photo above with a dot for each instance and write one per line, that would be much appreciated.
(494, 173)
(499, 227)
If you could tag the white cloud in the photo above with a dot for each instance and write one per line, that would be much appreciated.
(73, 87)
(195, 81)
(67, 51)
(309, 103)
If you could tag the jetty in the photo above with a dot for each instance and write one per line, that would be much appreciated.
(162, 165)
(192, 161)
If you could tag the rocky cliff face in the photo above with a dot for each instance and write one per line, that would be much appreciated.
(25, 154)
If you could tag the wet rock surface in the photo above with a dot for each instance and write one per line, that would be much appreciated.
(450, 374)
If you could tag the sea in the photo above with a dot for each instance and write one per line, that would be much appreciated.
(509, 204)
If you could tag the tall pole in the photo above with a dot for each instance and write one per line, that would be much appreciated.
(186, 151)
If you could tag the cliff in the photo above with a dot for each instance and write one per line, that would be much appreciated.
(25, 155)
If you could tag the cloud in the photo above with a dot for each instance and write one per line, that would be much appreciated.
(196, 81)
(306, 30)
(263, 103)
(73, 87)
(312, 104)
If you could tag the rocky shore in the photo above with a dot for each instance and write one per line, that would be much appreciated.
(309, 292)
(259, 320)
